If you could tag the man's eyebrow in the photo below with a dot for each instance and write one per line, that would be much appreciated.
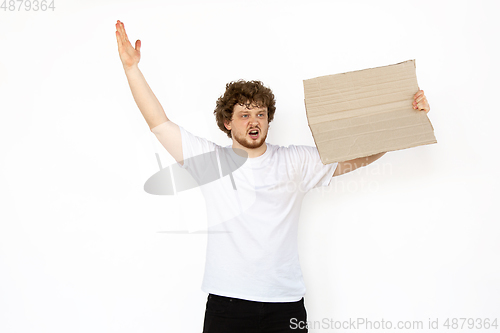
(247, 111)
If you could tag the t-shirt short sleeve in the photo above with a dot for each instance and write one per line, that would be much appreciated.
(308, 164)
(199, 157)
(193, 146)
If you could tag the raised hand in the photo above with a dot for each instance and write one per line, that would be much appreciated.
(420, 102)
(128, 55)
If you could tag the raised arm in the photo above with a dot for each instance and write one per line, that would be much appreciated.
(168, 133)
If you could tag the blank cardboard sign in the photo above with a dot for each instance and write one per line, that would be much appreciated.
(366, 112)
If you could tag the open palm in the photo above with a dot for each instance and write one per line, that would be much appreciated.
(128, 55)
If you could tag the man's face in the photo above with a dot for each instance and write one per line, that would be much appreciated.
(249, 125)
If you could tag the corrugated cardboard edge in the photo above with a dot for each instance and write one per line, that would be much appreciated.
(377, 152)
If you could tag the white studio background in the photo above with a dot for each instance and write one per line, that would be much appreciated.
(82, 246)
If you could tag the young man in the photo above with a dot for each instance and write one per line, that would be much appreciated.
(252, 272)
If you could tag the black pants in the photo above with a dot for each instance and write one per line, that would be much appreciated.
(233, 315)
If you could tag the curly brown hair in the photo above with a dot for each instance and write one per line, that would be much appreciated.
(243, 92)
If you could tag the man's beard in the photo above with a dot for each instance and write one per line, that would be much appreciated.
(249, 143)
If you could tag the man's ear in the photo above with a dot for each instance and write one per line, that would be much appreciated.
(227, 125)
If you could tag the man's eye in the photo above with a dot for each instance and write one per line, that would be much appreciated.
(244, 115)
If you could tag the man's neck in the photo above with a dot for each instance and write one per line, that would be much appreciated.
(252, 152)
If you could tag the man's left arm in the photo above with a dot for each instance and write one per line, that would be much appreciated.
(419, 103)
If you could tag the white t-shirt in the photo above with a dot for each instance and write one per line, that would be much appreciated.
(252, 249)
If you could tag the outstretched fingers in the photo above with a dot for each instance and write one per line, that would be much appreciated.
(122, 33)
(129, 55)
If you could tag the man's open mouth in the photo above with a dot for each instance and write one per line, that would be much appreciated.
(254, 134)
